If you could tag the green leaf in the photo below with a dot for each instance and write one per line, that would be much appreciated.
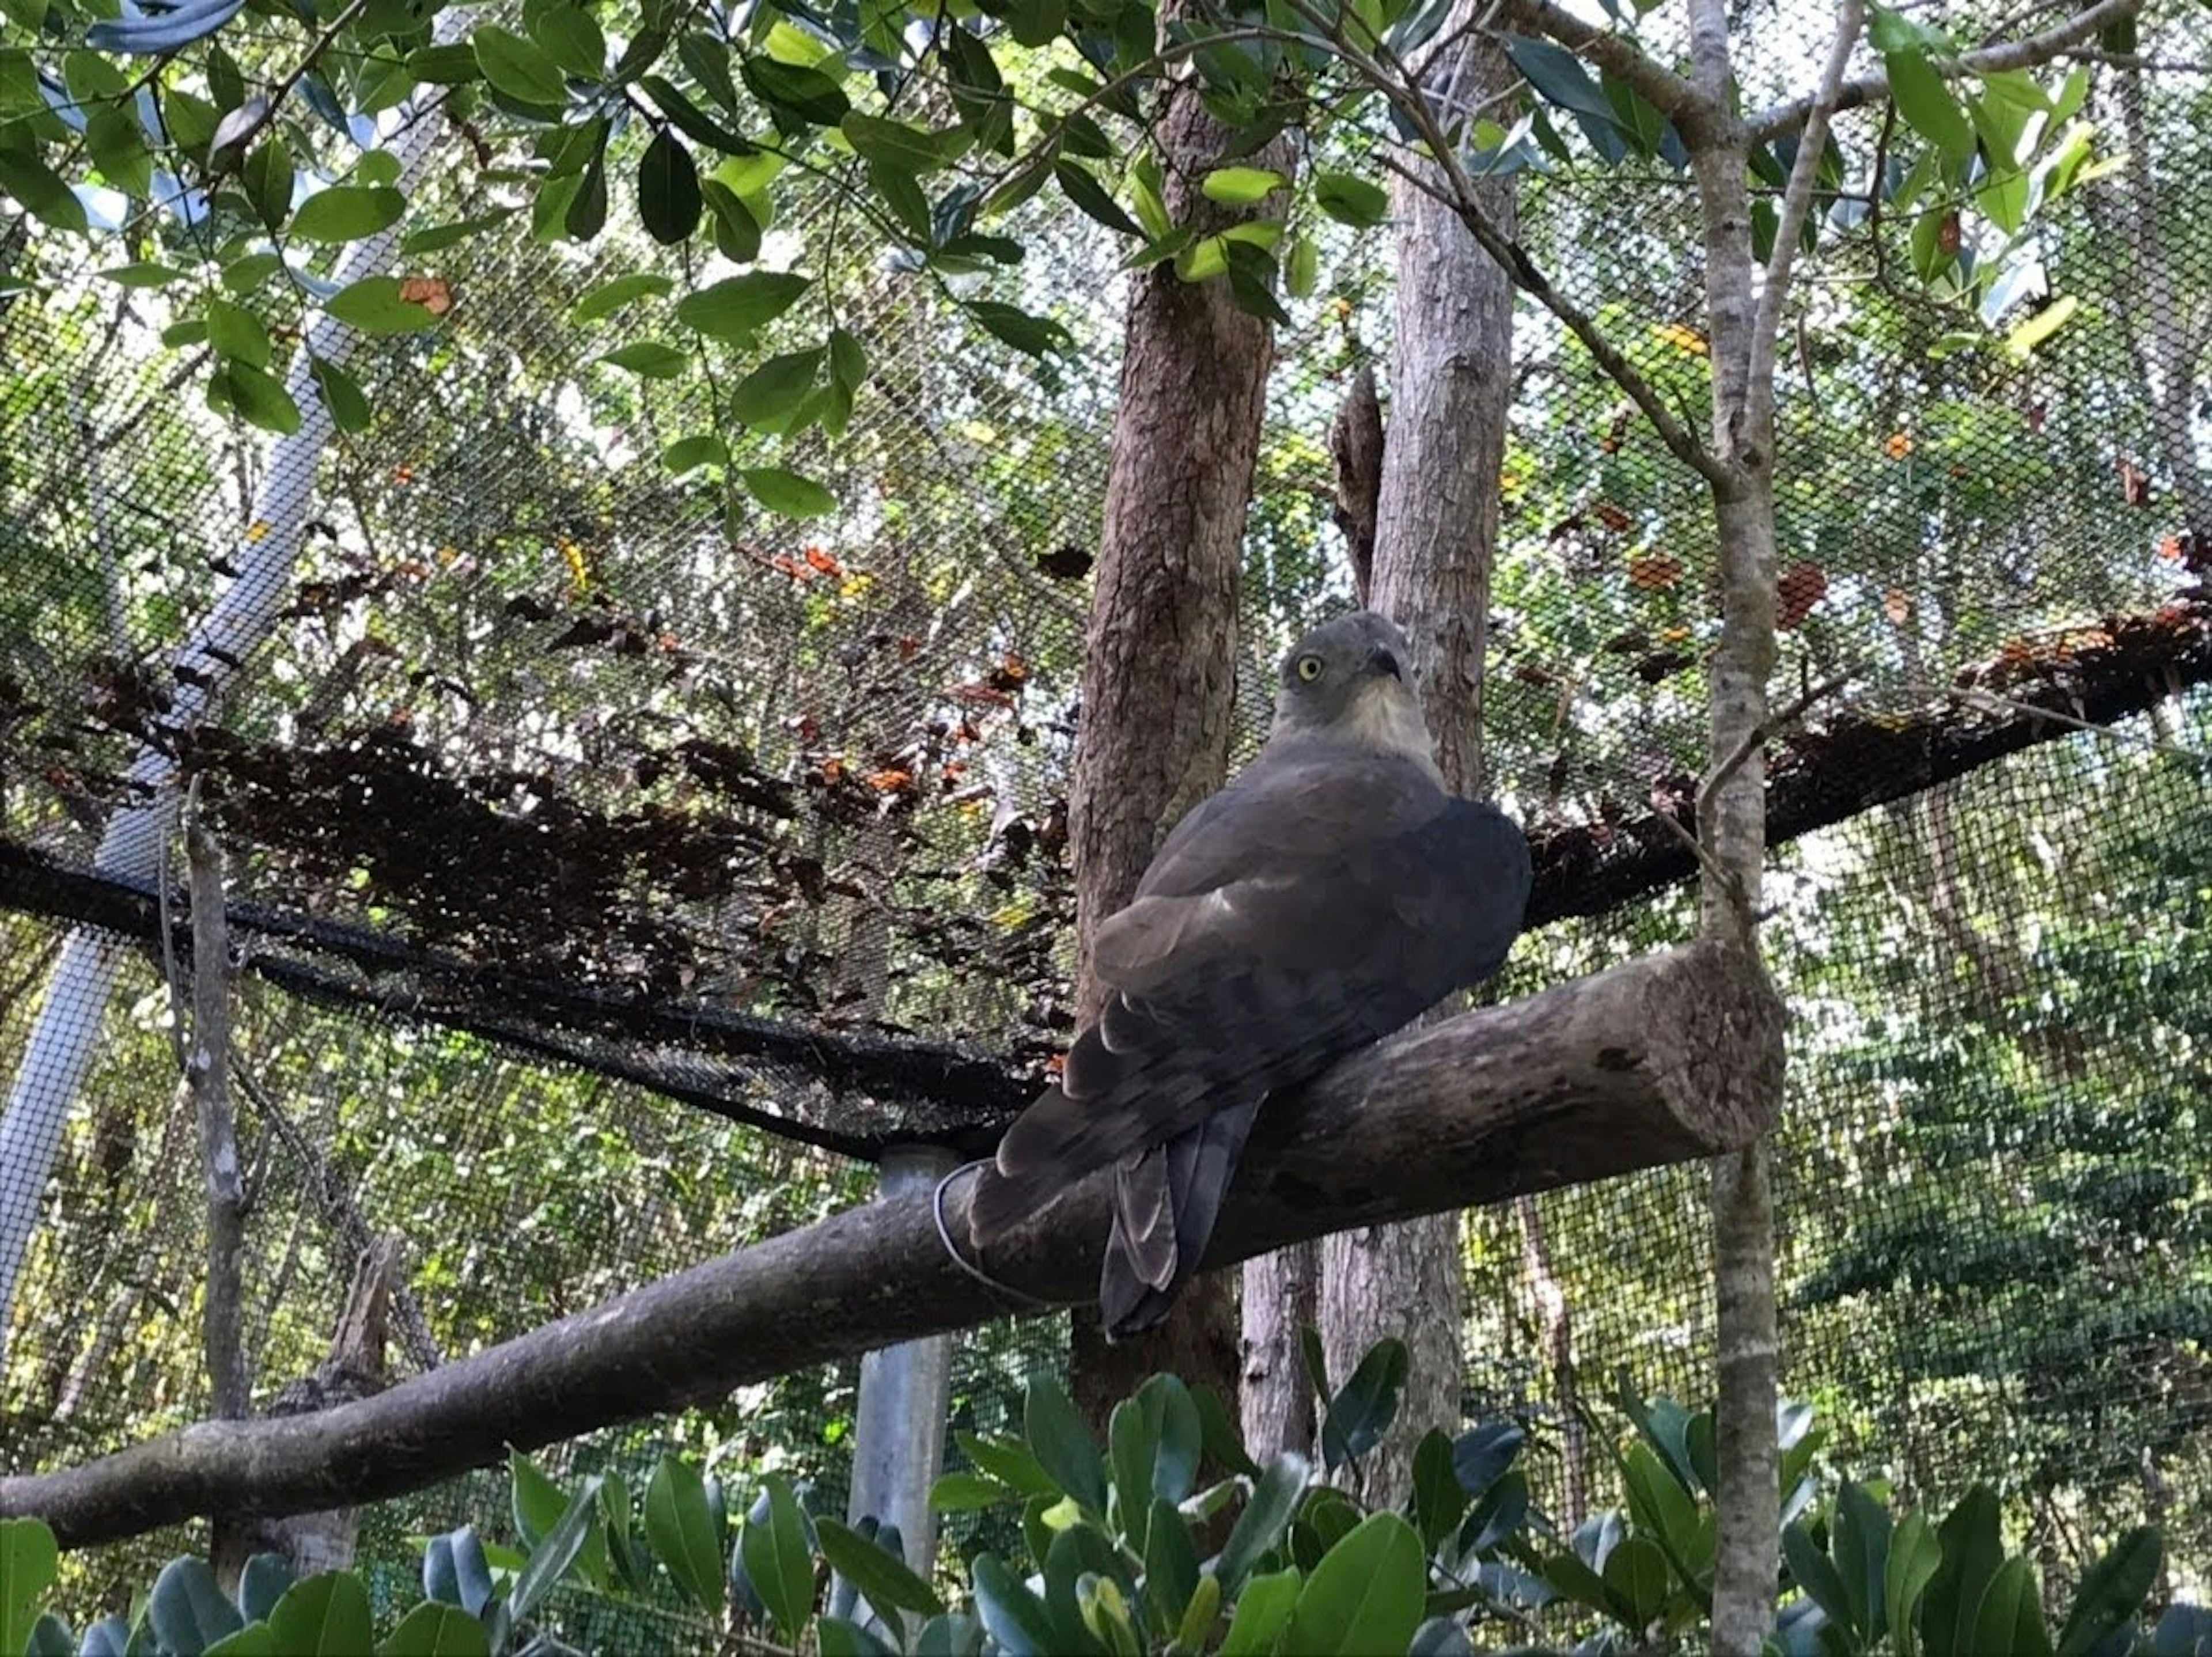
(537, 1502)
(949, 1636)
(733, 308)
(29, 1562)
(848, 361)
(773, 395)
(668, 195)
(1973, 1548)
(834, 1636)
(1218, 1434)
(375, 306)
(50, 1637)
(1062, 1444)
(1261, 1525)
(1914, 1555)
(1007, 1461)
(883, 1579)
(1171, 1572)
(904, 149)
(40, 190)
(269, 177)
(258, 397)
(1263, 1611)
(2011, 1619)
(1818, 1578)
(1036, 22)
(1037, 336)
(436, 238)
(611, 296)
(1366, 1595)
(519, 69)
(187, 1609)
(736, 230)
(775, 1548)
(1349, 198)
(549, 1563)
(1081, 186)
(347, 212)
(806, 94)
(1302, 275)
(1363, 1408)
(1928, 106)
(324, 1615)
(1239, 186)
(682, 1532)
(1560, 79)
(690, 454)
(1636, 1572)
(116, 144)
(237, 333)
(146, 275)
(964, 1492)
(1859, 1540)
(265, 1581)
(1013, 1616)
(2031, 333)
(1656, 1500)
(342, 395)
(449, 66)
(254, 1640)
(2112, 1592)
(570, 36)
(436, 1631)
(1439, 1502)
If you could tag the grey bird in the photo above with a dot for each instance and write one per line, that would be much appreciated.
(1331, 893)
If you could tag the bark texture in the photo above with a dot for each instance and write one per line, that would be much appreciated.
(1436, 539)
(1160, 666)
(1280, 1300)
(1667, 1058)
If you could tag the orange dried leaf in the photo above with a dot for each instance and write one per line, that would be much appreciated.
(1896, 605)
(797, 571)
(1653, 571)
(433, 294)
(980, 692)
(819, 558)
(1801, 586)
(2134, 484)
(833, 770)
(2169, 548)
(890, 782)
(1898, 445)
(1611, 516)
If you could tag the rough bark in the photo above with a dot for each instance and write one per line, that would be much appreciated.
(1670, 1057)
(1277, 1304)
(1355, 444)
(1159, 665)
(1451, 388)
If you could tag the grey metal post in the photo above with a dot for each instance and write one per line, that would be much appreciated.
(906, 1391)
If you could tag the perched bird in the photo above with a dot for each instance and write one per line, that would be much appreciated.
(1331, 892)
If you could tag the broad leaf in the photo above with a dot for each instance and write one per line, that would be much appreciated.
(2112, 1592)
(737, 306)
(1261, 1525)
(668, 195)
(29, 1562)
(1365, 1595)
(188, 1609)
(518, 67)
(347, 212)
(323, 1616)
(1365, 1407)
(682, 1531)
(883, 1579)
(773, 1547)
(437, 1630)
(1062, 1443)
(1263, 1611)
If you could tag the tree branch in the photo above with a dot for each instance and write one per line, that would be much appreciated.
(2013, 54)
(1797, 195)
(207, 1077)
(1671, 1057)
(1621, 58)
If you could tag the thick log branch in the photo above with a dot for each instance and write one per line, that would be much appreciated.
(1670, 1058)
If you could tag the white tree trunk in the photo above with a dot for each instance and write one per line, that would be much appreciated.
(65, 1040)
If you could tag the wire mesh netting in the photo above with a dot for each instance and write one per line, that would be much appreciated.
(616, 872)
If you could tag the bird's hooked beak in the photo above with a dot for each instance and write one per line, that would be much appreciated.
(1380, 660)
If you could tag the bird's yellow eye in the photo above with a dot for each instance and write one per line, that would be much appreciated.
(1308, 668)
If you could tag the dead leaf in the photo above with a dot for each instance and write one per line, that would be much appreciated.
(1801, 586)
(434, 294)
(1896, 605)
(1653, 572)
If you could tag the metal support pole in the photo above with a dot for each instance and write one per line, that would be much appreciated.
(906, 1392)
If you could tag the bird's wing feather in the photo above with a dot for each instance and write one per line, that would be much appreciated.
(1315, 905)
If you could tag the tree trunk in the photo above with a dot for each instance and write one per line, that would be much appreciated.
(1159, 667)
(1436, 537)
(1280, 1291)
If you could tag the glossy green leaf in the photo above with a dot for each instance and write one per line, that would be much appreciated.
(836, 1636)
(966, 1492)
(609, 297)
(1929, 107)
(1171, 1567)
(116, 144)
(737, 306)
(261, 1585)
(1062, 1444)
(1815, 1573)
(437, 1630)
(1637, 1575)
(257, 396)
(1365, 1595)
(1263, 1611)
(50, 1637)
(1656, 1500)
(668, 196)
(1349, 198)
(1301, 275)
(518, 67)
(1037, 336)
(549, 1561)
(805, 94)
(905, 148)
(40, 190)
(1438, 1501)
(187, 1610)
(347, 212)
(29, 1562)
(1366, 1405)
(570, 35)
(342, 395)
(1858, 1540)
(144, 275)
(436, 238)
(1973, 1548)
(254, 1640)
(690, 454)
(537, 1502)
(736, 230)
(1015, 1618)
(1239, 186)
(1914, 1555)
(235, 332)
(1561, 81)
(2011, 1616)
(1218, 1436)
(773, 394)
(454, 65)
(324, 1615)
(2031, 332)
(1266, 1516)
(775, 1548)
(2112, 1592)
(375, 304)
(682, 1531)
(1006, 1459)
(885, 1581)
(1081, 186)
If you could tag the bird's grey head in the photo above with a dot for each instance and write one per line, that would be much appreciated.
(1350, 678)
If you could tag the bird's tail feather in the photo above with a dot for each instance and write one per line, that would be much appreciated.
(1133, 1293)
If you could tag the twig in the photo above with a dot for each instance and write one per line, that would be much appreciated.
(2014, 54)
(1797, 195)
(1996, 703)
(1766, 730)
(239, 141)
